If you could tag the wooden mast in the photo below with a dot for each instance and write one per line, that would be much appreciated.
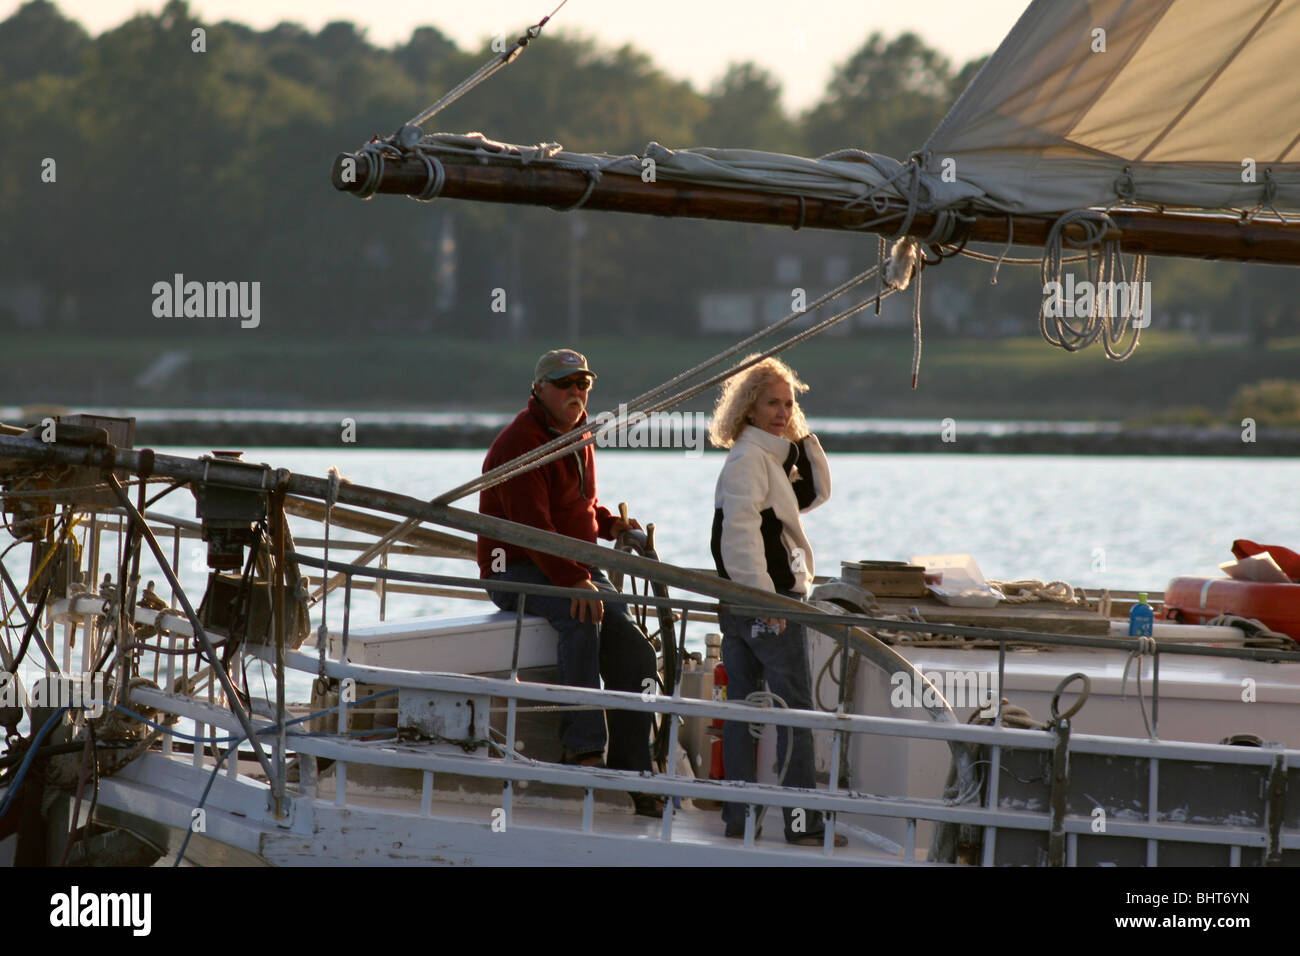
(1167, 234)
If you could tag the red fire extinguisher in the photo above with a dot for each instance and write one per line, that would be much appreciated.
(716, 770)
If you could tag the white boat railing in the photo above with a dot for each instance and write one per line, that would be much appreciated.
(513, 769)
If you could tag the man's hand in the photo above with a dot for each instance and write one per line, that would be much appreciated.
(619, 525)
(581, 607)
(623, 522)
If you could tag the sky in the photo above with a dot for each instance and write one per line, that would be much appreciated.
(797, 40)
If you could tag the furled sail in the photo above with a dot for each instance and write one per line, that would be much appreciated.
(1091, 122)
(1189, 104)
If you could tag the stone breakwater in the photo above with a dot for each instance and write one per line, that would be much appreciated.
(1150, 440)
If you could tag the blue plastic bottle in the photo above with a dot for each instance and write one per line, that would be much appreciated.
(1141, 618)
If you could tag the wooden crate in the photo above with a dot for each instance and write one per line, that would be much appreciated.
(886, 578)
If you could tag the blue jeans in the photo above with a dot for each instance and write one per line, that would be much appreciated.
(751, 654)
(616, 650)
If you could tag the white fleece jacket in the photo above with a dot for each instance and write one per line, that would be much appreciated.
(758, 537)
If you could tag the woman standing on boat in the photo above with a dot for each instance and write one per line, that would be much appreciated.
(775, 470)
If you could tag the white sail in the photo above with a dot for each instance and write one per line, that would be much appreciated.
(1185, 103)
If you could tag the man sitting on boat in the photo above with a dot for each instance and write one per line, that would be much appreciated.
(595, 640)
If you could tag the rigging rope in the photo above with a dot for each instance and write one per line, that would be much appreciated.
(575, 439)
(1146, 645)
(484, 72)
(906, 261)
(560, 446)
(580, 438)
(916, 324)
(589, 437)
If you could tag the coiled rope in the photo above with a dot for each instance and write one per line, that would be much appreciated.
(1105, 262)
(1031, 589)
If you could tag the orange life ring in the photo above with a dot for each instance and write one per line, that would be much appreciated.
(1199, 599)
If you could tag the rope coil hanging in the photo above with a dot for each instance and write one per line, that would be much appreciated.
(1105, 262)
(437, 177)
(375, 151)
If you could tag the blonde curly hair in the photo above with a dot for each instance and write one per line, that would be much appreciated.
(740, 394)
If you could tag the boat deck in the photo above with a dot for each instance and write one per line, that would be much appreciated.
(451, 827)
(560, 823)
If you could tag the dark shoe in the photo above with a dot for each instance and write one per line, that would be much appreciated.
(594, 758)
(738, 833)
(648, 804)
(815, 839)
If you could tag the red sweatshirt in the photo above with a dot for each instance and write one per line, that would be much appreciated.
(557, 497)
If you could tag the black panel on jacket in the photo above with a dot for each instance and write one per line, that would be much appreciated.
(715, 544)
(778, 562)
(804, 492)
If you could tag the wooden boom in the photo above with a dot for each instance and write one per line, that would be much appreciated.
(1160, 234)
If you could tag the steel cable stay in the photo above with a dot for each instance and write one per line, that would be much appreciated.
(182, 470)
(580, 438)
(503, 59)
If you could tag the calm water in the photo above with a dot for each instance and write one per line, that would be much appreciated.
(1092, 521)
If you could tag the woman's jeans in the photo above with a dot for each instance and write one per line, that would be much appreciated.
(617, 651)
(752, 652)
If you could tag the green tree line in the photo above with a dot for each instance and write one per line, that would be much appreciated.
(133, 156)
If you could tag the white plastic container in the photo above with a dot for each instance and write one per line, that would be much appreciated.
(963, 585)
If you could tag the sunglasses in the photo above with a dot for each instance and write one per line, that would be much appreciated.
(582, 381)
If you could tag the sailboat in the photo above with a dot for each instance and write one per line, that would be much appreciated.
(425, 742)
